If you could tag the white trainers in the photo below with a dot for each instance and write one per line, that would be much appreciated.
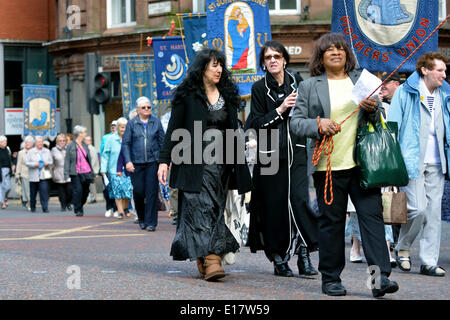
(108, 213)
(116, 214)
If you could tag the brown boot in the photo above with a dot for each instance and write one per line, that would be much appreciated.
(200, 266)
(213, 267)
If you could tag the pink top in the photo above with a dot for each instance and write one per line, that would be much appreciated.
(82, 163)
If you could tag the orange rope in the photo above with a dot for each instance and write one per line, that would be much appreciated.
(327, 144)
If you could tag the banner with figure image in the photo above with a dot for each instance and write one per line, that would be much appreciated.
(39, 110)
(137, 80)
(195, 35)
(170, 66)
(384, 32)
(232, 28)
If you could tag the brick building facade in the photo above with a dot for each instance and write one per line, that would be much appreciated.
(24, 27)
(117, 27)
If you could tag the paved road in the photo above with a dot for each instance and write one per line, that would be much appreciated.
(116, 260)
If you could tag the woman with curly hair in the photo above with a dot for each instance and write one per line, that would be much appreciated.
(205, 102)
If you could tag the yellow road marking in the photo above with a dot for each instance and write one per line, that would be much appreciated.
(56, 233)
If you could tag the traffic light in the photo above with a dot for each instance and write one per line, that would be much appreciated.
(102, 87)
(92, 61)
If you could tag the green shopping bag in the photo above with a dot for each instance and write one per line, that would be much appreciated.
(379, 156)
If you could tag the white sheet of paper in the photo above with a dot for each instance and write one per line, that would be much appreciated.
(105, 179)
(365, 85)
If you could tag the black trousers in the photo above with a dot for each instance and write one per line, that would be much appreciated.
(80, 192)
(145, 192)
(42, 187)
(110, 203)
(331, 220)
(64, 194)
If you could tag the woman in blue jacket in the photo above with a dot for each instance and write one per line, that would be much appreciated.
(121, 189)
(141, 144)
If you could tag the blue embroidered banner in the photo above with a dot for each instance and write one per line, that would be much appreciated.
(195, 34)
(39, 110)
(137, 80)
(384, 32)
(170, 66)
(232, 28)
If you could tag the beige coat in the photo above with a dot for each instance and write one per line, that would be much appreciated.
(22, 169)
(58, 155)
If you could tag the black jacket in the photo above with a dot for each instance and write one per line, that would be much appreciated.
(188, 177)
(70, 161)
(264, 116)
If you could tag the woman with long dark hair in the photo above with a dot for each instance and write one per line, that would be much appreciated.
(205, 102)
(281, 220)
(324, 100)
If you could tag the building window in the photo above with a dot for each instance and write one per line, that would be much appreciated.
(442, 10)
(198, 6)
(284, 7)
(121, 13)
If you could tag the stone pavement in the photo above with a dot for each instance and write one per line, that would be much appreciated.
(39, 254)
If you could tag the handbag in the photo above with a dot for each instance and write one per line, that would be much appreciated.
(86, 178)
(395, 210)
(45, 174)
(379, 156)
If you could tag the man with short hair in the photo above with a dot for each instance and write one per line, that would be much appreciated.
(421, 108)
(388, 89)
(141, 144)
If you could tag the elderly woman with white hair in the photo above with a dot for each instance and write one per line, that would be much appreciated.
(77, 168)
(39, 160)
(142, 141)
(121, 190)
(22, 170)
(64, 189)
(6, 169)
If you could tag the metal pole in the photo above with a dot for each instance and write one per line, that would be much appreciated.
(69, 118)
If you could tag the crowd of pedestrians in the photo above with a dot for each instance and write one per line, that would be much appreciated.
(140, 158)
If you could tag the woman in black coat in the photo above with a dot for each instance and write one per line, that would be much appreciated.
(281, 220)
(205, 102)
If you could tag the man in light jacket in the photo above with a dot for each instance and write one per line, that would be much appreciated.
(421, 108)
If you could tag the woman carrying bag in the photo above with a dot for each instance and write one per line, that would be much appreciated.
(77, 167)
(39, 161)
(324, 100)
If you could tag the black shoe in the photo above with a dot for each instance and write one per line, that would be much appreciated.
(386, 286)
(69, 207)
(174, 222)
(63, 209)
(45, 211)
(150, 228)
(282, 270)
(334, 289)
(305, 267)
(79, 213)
(136, 221)
(33, 210)
(24, 204)
(142, 225)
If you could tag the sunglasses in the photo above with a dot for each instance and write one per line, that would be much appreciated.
(275, 56)
(146, 107)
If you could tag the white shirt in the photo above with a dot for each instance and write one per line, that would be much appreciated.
(431, 102)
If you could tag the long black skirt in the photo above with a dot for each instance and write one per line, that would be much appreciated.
(202, 230)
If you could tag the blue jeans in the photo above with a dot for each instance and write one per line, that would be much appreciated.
(42, 187)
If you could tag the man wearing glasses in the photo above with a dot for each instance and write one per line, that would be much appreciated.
(142, 141)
